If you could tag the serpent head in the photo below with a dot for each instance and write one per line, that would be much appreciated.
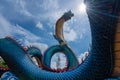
(68, 15)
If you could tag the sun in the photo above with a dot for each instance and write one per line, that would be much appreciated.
(82, 8)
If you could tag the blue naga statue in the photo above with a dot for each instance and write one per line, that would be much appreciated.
(102, 62)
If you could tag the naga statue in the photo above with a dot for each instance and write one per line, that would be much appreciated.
(102, 62)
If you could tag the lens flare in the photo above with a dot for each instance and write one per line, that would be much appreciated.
(82, 8)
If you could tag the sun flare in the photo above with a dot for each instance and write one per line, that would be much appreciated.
(82, 8)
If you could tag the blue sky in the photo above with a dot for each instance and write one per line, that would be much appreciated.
(33, 23)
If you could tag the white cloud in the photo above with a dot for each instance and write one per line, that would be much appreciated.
(55, 61)
(70, 35)
(81, 36)
(82, 56)
(53, 65)
(39, 25)
(66, 27)
(7, 29)
(41, 46)
(35, 9)
(20, 6)
(27, 35)
(50, 5)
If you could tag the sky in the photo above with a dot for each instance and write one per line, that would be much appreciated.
(33, 23)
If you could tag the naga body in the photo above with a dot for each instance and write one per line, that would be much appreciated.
(102, 61)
